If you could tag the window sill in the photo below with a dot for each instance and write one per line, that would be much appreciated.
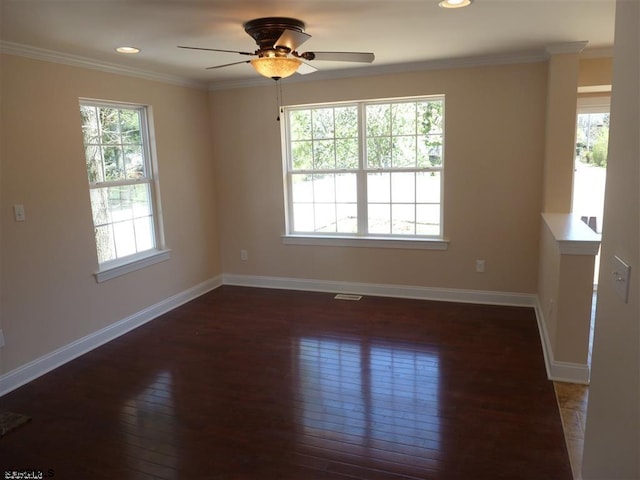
(130, 264)
(367, 242)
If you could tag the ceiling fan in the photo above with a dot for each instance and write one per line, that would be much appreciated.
(278, 39)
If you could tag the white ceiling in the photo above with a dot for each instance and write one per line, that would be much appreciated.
(397, 31)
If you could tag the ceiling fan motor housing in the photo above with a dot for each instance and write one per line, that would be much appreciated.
(267, 31)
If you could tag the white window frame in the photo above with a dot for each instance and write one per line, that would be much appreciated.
(158, 252)
(362, 238)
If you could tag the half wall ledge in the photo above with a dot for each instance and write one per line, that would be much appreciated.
(572, 235)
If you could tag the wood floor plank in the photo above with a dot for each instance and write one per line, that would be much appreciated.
(247, 383)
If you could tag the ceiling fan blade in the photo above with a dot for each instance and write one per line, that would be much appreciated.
(305, 69)
(291, 39)
(217, 50)
(361, 57)
(227, 65)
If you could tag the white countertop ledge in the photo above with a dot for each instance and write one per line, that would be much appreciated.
(572, 235)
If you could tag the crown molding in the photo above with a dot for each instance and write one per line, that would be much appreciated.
(43, 54)
(600, 52)
(530, 56)
(566, 47)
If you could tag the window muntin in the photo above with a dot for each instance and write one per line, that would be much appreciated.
(365, 169)
(120, 175)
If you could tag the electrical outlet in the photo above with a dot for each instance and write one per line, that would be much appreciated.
(480, 266)
(244, 255)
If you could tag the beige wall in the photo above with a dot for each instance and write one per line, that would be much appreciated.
(574, 309)
(549, 282)
(49, 295)
(495, 121)
(560, 132)
(612, 438)
(595, 71)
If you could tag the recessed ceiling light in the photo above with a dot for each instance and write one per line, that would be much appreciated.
(455, 3)
(127, 50)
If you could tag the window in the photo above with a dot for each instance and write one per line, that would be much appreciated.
(365, 169)
(121, 184)
(590, 163)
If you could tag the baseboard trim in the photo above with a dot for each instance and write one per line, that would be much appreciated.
(38, 367)
(382, 290)
(556, 370)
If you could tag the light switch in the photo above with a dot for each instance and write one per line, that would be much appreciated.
(18, 213)
(621, 274)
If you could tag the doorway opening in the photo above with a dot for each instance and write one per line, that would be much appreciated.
(590, 173)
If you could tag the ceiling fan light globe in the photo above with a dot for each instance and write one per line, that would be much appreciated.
(276, 67)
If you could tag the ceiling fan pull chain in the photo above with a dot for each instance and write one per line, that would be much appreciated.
(278, 97)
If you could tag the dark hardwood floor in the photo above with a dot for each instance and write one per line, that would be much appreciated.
(249, 383)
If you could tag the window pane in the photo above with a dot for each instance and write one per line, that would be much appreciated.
(100, 206)
(144, 233)
(303, 217)
(124, 237)
(428, 187)
(324, 155)
(322, 123)
(95, 167)
(109, 125)
(141, 200)
(346, 188)
(403, 189)
(592, 138)
(346, 122)
(105, 245)
(347, 217)
(378, 119)
(404, 118)
(302, 188)
(379, 220)
(302, 155)
(133, 161)
(300, 124)
(428, 220)
(403, 219)
(404, 152)
(123, 219)
(90, 130)
(347, 153)
(429, 151)
(378, 187)
(120, 203)
(113, 164)
(324, 188)
(130, 126)
(325, 217)
(379, 152)
(430, 117)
